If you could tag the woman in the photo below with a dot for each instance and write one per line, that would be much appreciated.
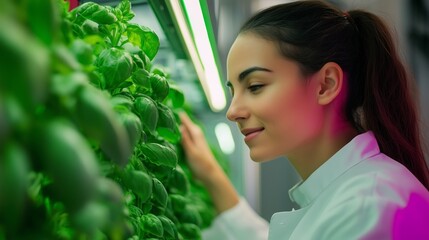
(327, 90)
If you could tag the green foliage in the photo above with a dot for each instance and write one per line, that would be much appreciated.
(89, 137)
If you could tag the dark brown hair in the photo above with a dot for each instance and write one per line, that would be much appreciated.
(379, 98)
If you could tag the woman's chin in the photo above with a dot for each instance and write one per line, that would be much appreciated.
(260, 158)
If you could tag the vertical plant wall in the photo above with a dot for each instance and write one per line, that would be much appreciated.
(89, 139)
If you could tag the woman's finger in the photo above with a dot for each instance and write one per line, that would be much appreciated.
(191, 127)
(185, 128)
(184, 118)
(186, 139)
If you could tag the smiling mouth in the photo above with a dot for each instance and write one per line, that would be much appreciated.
(250, 133)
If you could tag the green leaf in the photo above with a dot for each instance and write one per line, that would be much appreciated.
(97, 79)
(133, 125)
(151, 225)
(160, 71)
(203, 204)
(159, 171)
(166, 117)
(144, 38)
(67, 85)
(159, 155)
(110, 192)
(14, 183)
(94, 215)
(170, 230)
(90, 27)
(85, 9)
(25, 65)
(105, 31)
(167, 126)
(147, 62)
(140, 183)
(125, 84)
(95, 12)
(190, 231)
(44, 20)
(128, 16)
(5, 124)
(178, 181)
(190, 215)
(103, 16)
(83, 12)
(96, 118)
(175, 97)
(169, 213)
(178, 202)
(122, 100)
(14, 118)
(148, 113)
(160, 195)
(132, 49)
(64, 61)
(116, 65)
(138, 62)
(97, 42)
(82, 51)
(69, 160)
(141, 78)
(159, 86)
(125, 7)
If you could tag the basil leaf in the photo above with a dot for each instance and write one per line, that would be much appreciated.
(148, 113)
(151, 225)
(140, 183)
(159, 155)
(144, 38)
(167, 126)
(116, 65)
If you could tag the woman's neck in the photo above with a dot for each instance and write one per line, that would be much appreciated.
(310, 157)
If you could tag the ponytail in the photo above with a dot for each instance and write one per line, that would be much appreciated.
(388, 108)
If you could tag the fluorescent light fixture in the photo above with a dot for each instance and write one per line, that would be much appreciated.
(200, 51)
(224, 138)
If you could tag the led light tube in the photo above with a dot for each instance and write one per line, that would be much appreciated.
(200, 52)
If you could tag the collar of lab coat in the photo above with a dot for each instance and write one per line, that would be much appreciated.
(361, 147)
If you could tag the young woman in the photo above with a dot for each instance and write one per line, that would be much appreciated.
(327, 90)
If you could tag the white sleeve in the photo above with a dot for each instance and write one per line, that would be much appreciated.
(237, 223)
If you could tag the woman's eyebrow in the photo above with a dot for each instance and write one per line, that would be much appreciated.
(248, 71)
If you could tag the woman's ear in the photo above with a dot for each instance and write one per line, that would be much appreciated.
(331, 79)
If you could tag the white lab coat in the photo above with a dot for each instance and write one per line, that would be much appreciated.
(359, 193)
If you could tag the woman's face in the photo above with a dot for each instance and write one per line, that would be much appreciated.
(274, 106)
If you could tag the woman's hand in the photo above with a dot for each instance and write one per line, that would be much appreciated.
(200, 158)
(205, 167)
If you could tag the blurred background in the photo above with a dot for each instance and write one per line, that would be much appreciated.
(265, 185)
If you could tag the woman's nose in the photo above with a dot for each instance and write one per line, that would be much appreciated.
(236, 111)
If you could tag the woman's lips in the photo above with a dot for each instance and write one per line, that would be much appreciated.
(251, 133)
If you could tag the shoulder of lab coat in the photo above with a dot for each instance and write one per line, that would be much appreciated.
(239, 222)
(386, 202)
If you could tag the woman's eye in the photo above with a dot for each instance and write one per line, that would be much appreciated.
(254, 88)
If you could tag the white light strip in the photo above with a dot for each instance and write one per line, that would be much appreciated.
(181, 21)
(201, 37)
(224, 138)
(202, 56)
